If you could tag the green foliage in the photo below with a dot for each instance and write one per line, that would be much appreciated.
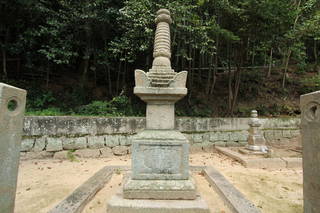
(310, 84)
(118, 106)
(71, 157)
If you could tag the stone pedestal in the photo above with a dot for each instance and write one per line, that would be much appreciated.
(310, 131)
(12, 104)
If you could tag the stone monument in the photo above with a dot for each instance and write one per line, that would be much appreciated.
(310, 131)
(12, 104)
(160, 163)
(256, 140)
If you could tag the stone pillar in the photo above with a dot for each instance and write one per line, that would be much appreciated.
(256, 141)
(12, 104)
(310, 131)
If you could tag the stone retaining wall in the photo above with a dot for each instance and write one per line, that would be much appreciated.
(44, 135)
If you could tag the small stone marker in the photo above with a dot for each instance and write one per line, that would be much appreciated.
(12, 105)
(310, 131)
(256, 141)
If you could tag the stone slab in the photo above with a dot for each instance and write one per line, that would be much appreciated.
(237, 202)
(159, 189)
(11, 125)
(261, 163)
(257, 163)
(293, 162)
(78, 199)
(160, 154)
(117, 204)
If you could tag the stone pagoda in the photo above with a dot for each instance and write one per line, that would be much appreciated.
(160, 179)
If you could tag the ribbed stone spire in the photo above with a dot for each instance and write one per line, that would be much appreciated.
(162, 43)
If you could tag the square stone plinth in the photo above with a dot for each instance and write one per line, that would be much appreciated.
(118, 204)
(160, 155)
(159, 189)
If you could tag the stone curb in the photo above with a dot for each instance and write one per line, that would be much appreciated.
(234, 198)
(81, 196)
(262, 163)
(78, 199)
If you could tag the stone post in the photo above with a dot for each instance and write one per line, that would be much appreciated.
(256, 141)
(12, 104)
(310, 131)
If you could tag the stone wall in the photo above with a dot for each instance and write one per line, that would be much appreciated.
(45, 134)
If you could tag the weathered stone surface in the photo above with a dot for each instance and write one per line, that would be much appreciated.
(27, 144)
(234, 198)
(62, 155)
(39, 145)
(195, 149)
(87, 153)
(76, 201)
(75, 143)
(118, 204)
(160, 189)
(293, 162)
(256, 140)
(106, 152)
(220, 143)
(37, 155)
(96, 142)
(120, 150)
(124, 140)
(54, 144)
(112, 141)
(12, 105)
(310, 129)
(160, 155)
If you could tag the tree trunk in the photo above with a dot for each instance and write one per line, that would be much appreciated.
(4, 64)
(270, 63)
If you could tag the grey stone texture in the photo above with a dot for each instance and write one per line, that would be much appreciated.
(118, 204)
(96, 142)
(62, 155)
(11, 124)
(160, 189)
(27, 144)
(78, 199)
(54, 144)
(36, 155)
(74, 143)
(310, 128)
(234, 198)
(40, 144)
(112, 140)
(198, 131)
(87, 153)
(120, 150)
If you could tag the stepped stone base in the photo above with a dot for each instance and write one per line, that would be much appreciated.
(160, 189)
(118, 204)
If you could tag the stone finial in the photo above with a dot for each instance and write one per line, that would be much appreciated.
(162, 42)
(254, 114)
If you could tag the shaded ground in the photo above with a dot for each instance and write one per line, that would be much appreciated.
(43, 183)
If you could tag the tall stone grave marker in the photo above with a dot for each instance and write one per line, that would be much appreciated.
(256, 141)
(160, 154)
(12, 105)
(310, 130)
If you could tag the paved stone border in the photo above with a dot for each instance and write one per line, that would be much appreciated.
(260, 163)
(81, 196)
(78, 199)
(233, 197)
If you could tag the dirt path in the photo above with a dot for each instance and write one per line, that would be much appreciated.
(44, 183)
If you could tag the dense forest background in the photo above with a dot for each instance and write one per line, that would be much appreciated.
(79, 56)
